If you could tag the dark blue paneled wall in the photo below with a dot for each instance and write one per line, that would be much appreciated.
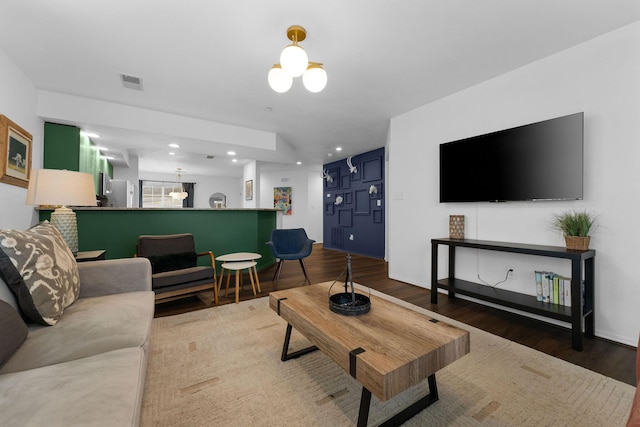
(354, 205)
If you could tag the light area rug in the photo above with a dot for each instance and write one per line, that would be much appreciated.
(221, 367)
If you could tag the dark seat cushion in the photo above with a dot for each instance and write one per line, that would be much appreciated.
(185, 275)
(169, 262)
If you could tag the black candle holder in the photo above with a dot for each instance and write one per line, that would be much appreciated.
(349, 303)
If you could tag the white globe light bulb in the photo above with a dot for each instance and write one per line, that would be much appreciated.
(279, 80)
(294, 60)
(315, 78)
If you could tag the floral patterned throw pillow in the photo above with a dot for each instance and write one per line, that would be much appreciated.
(40, 270)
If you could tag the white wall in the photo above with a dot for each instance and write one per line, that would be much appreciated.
(205, 187)
(18, 100)
(306, 197)
(600, 77)
(315, 217)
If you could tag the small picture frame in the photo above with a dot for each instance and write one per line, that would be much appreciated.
(248, 190)
(15, 153)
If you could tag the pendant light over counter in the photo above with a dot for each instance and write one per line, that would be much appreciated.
(294, 62)
(179, 195)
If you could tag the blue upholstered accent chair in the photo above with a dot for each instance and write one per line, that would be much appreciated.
(290, 244)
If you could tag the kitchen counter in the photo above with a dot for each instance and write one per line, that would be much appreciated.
(222, 231)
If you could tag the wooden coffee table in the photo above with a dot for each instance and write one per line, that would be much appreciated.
(387, 350)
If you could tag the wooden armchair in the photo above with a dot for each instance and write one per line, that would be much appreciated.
(174, 266)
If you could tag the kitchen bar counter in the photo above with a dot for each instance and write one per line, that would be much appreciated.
(222, 231)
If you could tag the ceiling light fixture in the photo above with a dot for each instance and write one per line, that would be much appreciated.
(294, 62)
(174, 145)
(231, 153)
(179, 195)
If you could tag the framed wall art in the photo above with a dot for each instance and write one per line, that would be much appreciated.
(248, 190)
(282, 199)
(15, 153)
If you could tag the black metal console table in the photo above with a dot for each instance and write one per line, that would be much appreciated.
(582, 299)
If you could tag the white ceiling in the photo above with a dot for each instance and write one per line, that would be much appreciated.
(209, 60)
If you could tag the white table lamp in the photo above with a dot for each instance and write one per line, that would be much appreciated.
(62, 188)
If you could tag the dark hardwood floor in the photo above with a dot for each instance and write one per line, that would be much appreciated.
(608, 358)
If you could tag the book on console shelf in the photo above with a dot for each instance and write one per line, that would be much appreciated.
(567, 290)
(553, 288)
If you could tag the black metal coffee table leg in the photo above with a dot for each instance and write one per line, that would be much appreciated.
(285, 348)
(404, 415)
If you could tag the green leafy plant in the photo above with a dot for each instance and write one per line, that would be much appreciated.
(575, 223)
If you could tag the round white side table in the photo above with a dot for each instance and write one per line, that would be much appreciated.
(239, 257)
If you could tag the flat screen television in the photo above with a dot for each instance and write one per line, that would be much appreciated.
(538, 161)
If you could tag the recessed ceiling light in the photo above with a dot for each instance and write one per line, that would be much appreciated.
(109, 157)
(171, 153)
(338, 148)
(174, 145)
(298, 163)
(234, 160)
(231, 153)
(103, 148)
(89, 134)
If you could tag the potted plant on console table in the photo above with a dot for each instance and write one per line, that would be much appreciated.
(575, 226)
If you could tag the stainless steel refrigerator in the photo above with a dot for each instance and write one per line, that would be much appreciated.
(120, 193)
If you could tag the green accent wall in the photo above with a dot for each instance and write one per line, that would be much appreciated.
(61, 147)
(91, 161)
(65, 148)
(222, 231)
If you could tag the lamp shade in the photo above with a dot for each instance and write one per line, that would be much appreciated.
(315, 78)
(279, 80)
(294, 60)
(61, 187)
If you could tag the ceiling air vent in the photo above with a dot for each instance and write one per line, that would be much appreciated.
(131, 82)
(209, 156)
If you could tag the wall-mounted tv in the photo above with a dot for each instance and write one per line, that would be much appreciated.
(538, 161)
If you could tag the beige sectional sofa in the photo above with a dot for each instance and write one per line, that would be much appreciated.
(88, 368)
